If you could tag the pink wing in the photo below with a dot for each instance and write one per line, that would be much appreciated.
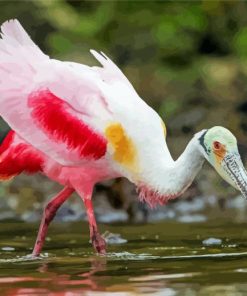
(55, 106)
(17, 156)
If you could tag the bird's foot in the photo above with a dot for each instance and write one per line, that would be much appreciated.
(31, 257)
(99, 244)
(35, 255)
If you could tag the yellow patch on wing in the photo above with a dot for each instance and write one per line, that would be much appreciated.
(164, 127)
(220, 154)
(125, 151)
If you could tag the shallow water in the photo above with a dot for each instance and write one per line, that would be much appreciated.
(158, 259)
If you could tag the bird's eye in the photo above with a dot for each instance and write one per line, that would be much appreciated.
(217, 145)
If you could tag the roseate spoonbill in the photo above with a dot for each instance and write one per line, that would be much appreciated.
(79, 125)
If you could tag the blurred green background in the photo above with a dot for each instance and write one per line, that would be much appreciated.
(188, 60)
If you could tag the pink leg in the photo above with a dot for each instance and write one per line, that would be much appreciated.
(48, 214)
(98, 242)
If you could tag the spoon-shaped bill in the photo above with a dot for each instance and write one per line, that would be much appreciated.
(234, 172)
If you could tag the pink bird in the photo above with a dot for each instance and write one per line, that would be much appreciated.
(79, 125)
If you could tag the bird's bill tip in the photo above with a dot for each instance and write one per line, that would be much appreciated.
(234, 172)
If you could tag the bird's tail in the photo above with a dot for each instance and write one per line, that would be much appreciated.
(18, 58)
(16, 156)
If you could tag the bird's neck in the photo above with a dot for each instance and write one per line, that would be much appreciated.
(172, 178)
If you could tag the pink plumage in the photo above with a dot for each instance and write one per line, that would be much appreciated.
(51, 106)
(79, 125)
(47, 111)
(16, 156)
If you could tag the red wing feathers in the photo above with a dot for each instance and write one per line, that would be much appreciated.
(17, 156)
(54, 117)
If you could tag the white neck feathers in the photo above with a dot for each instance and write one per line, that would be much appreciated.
(168, 179)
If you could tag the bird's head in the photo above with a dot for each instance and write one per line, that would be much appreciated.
(219, 146)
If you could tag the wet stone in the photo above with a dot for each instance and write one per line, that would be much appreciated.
(113, 238)
(8, 249)
(192, 218)
(212, 241)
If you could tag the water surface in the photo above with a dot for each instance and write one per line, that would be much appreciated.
(158, 259)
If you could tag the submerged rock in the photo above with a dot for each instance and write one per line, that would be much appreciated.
(8, 249)
(114, 238)
(212, 241)
(113, 217)
(192, 218)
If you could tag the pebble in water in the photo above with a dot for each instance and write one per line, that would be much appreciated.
(7, 249)
(212, 241)
(192, 218)
(113, 238)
